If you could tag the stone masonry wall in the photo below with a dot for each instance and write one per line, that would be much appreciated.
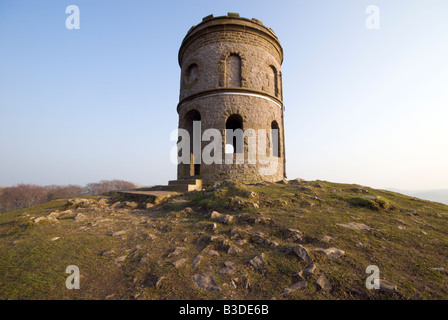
(258, 101)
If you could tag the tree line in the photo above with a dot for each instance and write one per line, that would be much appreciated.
(28, 195)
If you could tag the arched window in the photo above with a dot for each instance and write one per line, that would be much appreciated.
(191, 74)
(233, 71)
(275, 138)
(234, 137)
(273, 81)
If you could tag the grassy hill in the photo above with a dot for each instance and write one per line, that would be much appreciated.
(296, 240)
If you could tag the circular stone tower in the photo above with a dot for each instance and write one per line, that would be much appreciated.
(231, 79)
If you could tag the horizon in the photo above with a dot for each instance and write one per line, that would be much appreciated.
(363, 106)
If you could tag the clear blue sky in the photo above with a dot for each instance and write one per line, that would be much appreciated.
(362, 106)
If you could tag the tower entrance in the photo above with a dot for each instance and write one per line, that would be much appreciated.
(192, 123)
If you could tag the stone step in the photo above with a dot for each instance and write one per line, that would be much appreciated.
(155, 196)
(185, 181)
(183, 187)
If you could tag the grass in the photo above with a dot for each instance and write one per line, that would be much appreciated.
(409, 238)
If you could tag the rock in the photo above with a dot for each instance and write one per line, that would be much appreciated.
(207, 226)
(262, 240)
(103, 202)
(40, 219)
(233, 283)
(80, 217)
(196, 261)
(258, 261)
(360, 245)
(177, 251)
(355, 226)
(121, 259)
(227, 270)
(144, 260)
(308, 271)
(302, 253)
(52, 219)
(215, 215)
(206, 281)
(45, 219)
(323, 283)
(359, 190)
(295, 238)
(263, 221)
(179, 263)
(158, 281)
(296, 286)
(213, 238)
(107, 253)
(331, 252)
(241, 242)
(54, 215)
(119, 233)
(130, 204)
(148, 205)
(233, 250)
(79, 203)
(226, 219)
(290, 233)
(115, 205)
(150, 236)
(386, 286)
(327, 239)
(246, 284)
(213, 253)
(236, 233)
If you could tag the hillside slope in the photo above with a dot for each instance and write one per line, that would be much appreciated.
(296, 240)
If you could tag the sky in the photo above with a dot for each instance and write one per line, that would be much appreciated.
(361, 106)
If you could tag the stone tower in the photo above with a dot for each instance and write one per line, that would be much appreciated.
(231, 79)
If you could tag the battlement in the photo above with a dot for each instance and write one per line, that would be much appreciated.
(230, 15)
(230, 22)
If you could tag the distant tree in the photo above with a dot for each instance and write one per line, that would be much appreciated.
(22, 196)
(103, 186)
(62, 192)
(28, 195)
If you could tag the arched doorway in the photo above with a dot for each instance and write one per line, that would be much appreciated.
(275, 139)
(234, 139)
(192, 123)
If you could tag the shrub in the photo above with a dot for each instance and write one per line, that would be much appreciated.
(372, 203)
